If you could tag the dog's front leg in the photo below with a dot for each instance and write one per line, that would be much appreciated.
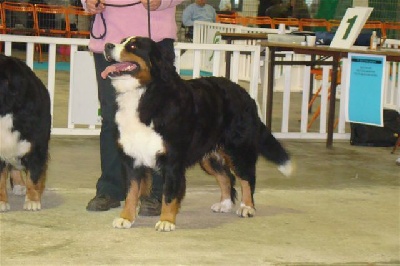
(138, 183)
(128, 214)
(174, 191)
(168, 216)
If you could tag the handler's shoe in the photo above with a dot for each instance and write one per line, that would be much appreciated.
(102, 203)
(150, 206)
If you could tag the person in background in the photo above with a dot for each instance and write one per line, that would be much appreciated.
(277, 10)
(199, 10)
(299, 9)
(225, 5)
(121, 22)
(263, 5)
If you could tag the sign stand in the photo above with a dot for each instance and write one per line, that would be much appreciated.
(350, 27)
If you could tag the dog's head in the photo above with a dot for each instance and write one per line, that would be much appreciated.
(137, 57)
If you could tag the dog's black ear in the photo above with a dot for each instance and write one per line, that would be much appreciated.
(162, 62)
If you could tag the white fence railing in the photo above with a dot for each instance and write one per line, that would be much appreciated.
(292, 79)
(290, 108)
(78, 123)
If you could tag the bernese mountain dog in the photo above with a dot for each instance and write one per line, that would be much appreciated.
(167, 124)
(25, 122)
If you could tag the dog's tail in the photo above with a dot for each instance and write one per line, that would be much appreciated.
(272, 150)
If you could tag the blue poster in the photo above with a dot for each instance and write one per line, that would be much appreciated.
(365, 91)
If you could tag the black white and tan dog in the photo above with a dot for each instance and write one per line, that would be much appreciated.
(25, 122)
(168, 124)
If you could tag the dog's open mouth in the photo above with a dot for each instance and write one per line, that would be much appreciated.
(120, 69)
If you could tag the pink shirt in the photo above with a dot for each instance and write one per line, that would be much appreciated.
(132, 21)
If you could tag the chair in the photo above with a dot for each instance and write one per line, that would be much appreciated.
(80, 22)
(188, 33)
(334, 23)
(45, 16)
(396, 144)
(318, 76)
(2, 25)
(291, 22)
(2, 21)
(375, 25)
(229, 18)
(20, 19)
(313, 22)
(391, 26)
(263, 20)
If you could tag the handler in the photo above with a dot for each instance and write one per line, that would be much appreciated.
(113, 21)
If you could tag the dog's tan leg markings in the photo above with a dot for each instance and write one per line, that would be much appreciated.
(225, 204)
(225, 185)
(168, 216)
(4, 206)
(17, 177)
(246, 206)
(128, 214)
(145, 185)
(34, 193)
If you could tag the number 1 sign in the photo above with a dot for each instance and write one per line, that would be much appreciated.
(350, 27)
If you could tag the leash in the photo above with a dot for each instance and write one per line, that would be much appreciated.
(101, 36)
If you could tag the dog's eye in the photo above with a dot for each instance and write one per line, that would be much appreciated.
(133, 46)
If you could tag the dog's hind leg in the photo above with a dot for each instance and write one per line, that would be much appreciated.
(245, 171)
(215, 164)
(4, 206)
(246, 208)
(17, 181)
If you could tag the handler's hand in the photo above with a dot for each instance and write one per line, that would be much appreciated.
(154, 4)
(92, 8)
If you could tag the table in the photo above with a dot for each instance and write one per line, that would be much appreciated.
(229, 37)
(314, 51)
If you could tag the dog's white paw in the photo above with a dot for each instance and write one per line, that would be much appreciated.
(122, 223)
(223, 206)
(19, 190)
(30, 205)
(246, 211)
(164, 226)
(4, 206)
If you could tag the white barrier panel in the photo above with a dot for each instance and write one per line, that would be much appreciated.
(83, 104)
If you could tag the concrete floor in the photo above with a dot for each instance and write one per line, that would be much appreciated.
(341, 207)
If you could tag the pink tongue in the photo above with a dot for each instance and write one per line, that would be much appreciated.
(114, 68)
(108, 70)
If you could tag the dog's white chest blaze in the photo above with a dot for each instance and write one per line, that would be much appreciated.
(12, 148)
(138, 140)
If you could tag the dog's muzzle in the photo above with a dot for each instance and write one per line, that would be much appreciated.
(108, 50)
